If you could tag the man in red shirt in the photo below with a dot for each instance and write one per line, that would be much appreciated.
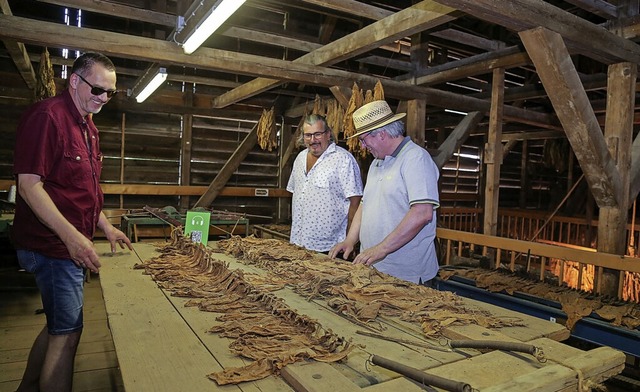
(57, 163)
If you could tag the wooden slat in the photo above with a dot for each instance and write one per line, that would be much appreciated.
(173, 358)
(317, 377)
(607, 260)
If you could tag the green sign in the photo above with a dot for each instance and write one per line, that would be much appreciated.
(197, 226)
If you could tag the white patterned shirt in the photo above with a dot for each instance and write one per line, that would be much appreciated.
(320, 203)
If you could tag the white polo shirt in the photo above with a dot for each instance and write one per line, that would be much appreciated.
(406, 177)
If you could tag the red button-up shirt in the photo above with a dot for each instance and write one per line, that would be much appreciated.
(55, 142)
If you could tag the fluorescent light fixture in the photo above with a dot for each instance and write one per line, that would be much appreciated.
(214, 18)
(152, 85)
(455, 112)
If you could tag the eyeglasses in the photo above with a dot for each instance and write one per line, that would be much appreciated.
(363, 138)
(98, 90)
(315, 135)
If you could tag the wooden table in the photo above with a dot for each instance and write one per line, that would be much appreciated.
(163, 346)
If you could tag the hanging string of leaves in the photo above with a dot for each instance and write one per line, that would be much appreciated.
(319, 106)
(267, 130)
(335, 117)
(554, 154)
(299, 141)
(45, 83)
(355, 102)
(378, 91)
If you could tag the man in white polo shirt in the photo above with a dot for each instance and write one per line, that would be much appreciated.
(396, 220)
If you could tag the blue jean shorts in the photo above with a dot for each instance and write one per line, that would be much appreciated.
(61, 286)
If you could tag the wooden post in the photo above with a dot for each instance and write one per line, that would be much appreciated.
(122, 128)
(493, 153)
(185, 156)
(618, 135)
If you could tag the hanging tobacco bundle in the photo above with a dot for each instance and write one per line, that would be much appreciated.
(356, 100)
(335, 116)
(378, 91)
(45, 83)
(318, 106)
(376, 95)
(267, 130)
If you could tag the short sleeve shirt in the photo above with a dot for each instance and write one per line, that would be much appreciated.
(320, 203)
(406, 177)
(51, 142)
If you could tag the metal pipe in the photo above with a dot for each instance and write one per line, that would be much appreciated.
(420, 376)
(500, 345)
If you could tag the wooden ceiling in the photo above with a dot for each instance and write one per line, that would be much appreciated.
(283, 53)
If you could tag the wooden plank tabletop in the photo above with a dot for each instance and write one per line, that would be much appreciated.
(163, 345)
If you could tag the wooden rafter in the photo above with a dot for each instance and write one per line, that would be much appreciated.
(569, 99)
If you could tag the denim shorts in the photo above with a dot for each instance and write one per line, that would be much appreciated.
(61, 286)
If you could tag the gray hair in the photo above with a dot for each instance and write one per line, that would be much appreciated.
(311, 119)
(394, 129)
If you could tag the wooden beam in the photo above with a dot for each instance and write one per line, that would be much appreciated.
(457, 137)
(176, 190)
(18, 54)
(352, 7)
(597, 7)
(562, 83)
(153, 50)
(191, 190)
(474, 65)
(493, 154)
(468, 39)
(424, 15)
(416, 120)
(521, 15)
(635, 169)
(622, 263)
(540, 135)
(186, 149)
(621, 90)
(612, 227)
(342, 95)
(118, 10)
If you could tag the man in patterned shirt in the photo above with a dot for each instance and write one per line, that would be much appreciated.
(326, 186)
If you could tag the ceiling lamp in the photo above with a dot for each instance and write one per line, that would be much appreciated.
(149, 83)
(206, 18)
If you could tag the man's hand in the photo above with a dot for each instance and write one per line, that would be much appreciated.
(82, 252)
(345, 247)
(116, 236)
(370, 256)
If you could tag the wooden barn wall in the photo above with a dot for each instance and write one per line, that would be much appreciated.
(214, 140)
(152, 155)
(461, 178)
(9, 117)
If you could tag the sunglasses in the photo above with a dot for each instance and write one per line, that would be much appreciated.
(98, 90)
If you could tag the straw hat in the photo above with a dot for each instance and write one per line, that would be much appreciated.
(372, 116)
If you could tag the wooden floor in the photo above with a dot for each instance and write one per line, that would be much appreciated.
(96, 366)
